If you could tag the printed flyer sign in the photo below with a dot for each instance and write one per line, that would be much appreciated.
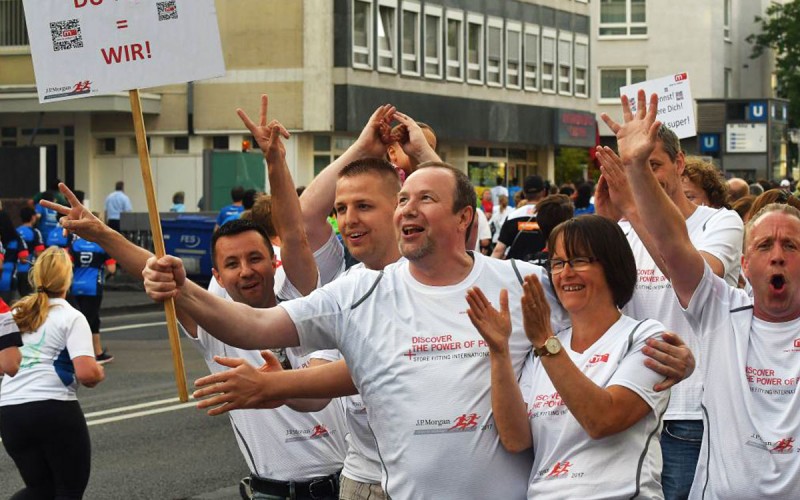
(92, 47)
(675, 105)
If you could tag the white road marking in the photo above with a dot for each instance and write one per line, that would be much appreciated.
(132, 327)
(141, 414)
(122, 409)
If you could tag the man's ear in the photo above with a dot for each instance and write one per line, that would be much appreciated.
(217, 277)
(392, 152)
(680, 163)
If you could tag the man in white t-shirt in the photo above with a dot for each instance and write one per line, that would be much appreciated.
(717, 235)
(750, 401)
(424, 378)
(289, 453)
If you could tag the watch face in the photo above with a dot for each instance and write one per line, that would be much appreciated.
(553, 345)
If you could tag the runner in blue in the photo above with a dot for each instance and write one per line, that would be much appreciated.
(90, 263)
(32, 238)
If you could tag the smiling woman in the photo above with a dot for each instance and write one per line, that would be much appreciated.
(585, 397)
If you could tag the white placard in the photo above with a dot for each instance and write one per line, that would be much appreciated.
(675, 105)
(746, 137)
(91, 47)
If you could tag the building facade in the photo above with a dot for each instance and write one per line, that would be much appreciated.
(638, 40)
(503, 84)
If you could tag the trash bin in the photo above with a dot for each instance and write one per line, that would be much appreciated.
(189, 237)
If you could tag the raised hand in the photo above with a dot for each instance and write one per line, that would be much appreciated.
(636, 136)
(163, 277)
(619, 191)
(493, 325)
(268, 136)
(412, 140)
(243, 386)
(535, 312)
(376, 135)
(77, 218)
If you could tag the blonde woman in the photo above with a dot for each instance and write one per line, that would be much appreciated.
(41, 424)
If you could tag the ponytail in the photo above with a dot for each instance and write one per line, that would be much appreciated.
(51, 277)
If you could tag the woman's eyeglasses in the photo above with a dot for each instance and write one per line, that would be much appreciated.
(577, 264)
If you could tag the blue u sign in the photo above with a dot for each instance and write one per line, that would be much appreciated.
(709, 143)
(757, 111)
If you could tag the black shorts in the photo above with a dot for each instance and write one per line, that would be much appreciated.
(89, 305)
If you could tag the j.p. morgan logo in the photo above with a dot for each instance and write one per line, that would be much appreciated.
(466, 422)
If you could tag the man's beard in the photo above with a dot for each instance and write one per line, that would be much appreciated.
(417, 253)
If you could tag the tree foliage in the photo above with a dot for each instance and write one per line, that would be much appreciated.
(570, 164)
(780, 31)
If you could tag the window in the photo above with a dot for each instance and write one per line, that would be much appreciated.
(362, 34)
(726, 20)
(611, 80)
(220, 142)
(433, 41)
(565, 63)
(494, 52)
(531, 55)
(581, 65)
(387, 35)
(622, 18)
(513, 54)
(455, 45)
(548, 60)
(13, 30)
(475, 48)
(410, 48)
(728, 82)
(180, 144)
(108, 146)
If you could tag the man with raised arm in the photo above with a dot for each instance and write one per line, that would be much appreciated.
(289, 454)
(717, 235)
(749, 399)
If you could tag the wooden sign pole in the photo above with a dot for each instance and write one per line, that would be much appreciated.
(158, 240)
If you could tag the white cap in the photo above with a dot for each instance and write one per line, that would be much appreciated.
(785, 183)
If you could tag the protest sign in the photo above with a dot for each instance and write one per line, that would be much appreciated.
(675, 105)
(91, 47)
(82, 48)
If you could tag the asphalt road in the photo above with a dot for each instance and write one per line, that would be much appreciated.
(145, 443)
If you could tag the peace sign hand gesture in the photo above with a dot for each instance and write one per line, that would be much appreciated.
(268, 136)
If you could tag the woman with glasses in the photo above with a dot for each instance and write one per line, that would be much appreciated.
(586, 403)
(41, 423)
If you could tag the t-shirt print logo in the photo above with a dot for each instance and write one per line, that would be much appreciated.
(319, 431)
(598, 358)
(797, 343)
(560, 469)
(785, 445)
(466, 422)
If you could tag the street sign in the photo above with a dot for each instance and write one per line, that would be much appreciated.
(709, 143)
(91, 47)
(746, 137)
(757, 111)
(675, 105)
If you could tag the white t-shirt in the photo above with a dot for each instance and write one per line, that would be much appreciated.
(484, 231)
(282, 444)
(714, 231)
(362, 462)
(46, 371)
(570, 464)
(750, 403)
(329, 258)
(423, 372)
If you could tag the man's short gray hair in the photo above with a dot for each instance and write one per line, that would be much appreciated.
(670, 142)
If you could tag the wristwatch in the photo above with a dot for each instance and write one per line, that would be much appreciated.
(551, 347)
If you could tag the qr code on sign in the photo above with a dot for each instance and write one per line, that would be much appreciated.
(66, 35)
(679, 95)
(167, 10)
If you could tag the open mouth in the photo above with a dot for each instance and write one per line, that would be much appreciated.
(249, 286)
(777, 282)
(572, 288)
(409, 230)
(355, 236)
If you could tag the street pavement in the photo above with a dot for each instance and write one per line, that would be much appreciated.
(145, 443)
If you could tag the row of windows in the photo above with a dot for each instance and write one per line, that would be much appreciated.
(454, 45)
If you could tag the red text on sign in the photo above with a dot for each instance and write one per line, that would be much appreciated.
(127, 53)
